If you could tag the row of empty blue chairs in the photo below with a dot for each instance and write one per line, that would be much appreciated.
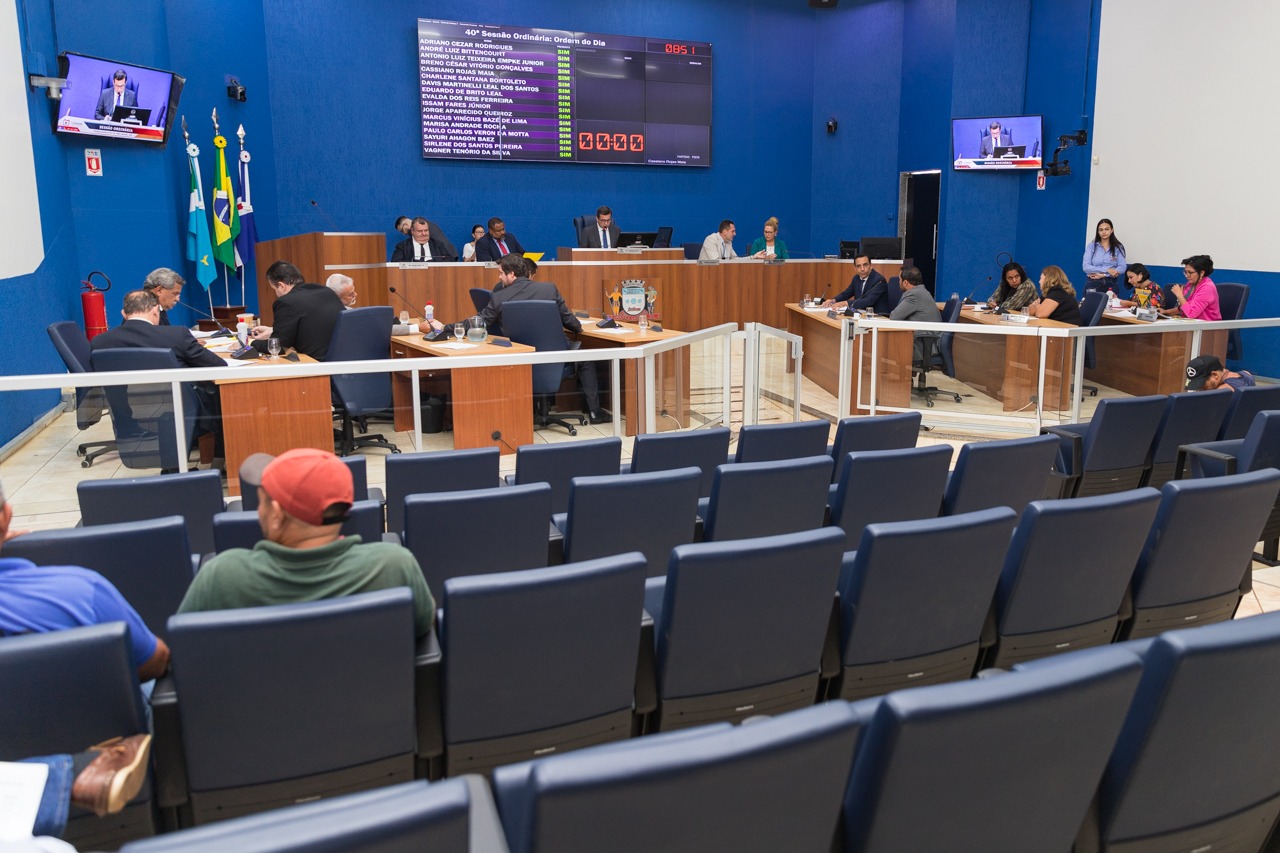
(1115, 749)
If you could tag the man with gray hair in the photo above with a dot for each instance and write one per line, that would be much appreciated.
(166, 285)
(345, 287)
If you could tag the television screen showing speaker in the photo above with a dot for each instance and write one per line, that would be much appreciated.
(498, 92)
(104, 97)
(997, 142)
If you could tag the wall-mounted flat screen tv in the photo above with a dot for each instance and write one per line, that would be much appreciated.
(997, 142)
(104, 97)
(498, 92)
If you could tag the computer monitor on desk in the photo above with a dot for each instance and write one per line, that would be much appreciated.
(637, 238)
(882, 248)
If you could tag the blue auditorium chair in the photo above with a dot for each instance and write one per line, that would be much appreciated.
(142, 415)
(662, 451)
(772, 442)
(557, 464)
(266, 706)
(1233, 298)
(503, 529)
(241, 529)
(439, 471)
(196, 495)
(740, 626)
(1009, 473)
(1245, 404)
(1109, 452)
(72, 345)
(772, 785)
(1195, 765)
(540, 660)
(149, 562)
(888, 485)
(649, 513)
(914, 598)
(63, 692)
(1197, 560)
(1066, 573)
(881, 432)
(1189, 417)
(1007, 764)
(361, 334)
(454, 814)
(751, 499)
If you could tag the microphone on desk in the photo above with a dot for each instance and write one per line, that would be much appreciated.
(325, 214)
(430, 334)
(222, 330)
(822, 297)
(968, 300)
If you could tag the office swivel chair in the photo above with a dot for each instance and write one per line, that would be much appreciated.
(142, 416)
(70, 342)
(536, 323)
(361, 334)
(1232, 300)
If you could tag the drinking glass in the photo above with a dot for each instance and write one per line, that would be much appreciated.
(807, 301)
(404, 318)
(273, 347)
(459, 331)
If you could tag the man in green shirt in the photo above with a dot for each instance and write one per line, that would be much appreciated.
(303, 498)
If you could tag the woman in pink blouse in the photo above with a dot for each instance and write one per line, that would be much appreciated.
(1198, 298)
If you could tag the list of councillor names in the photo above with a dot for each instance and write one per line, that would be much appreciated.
(492, 93)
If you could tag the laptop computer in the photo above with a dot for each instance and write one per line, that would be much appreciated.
(1011, 151)
(132, 115)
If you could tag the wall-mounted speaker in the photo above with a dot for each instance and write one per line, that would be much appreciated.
(823, 4)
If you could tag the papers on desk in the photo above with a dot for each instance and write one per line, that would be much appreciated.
(817, 307)
(458, 345)
(241, 362)
(620, 330)
(201, 335)
(21, 787)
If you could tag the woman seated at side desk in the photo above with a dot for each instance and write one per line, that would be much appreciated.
(1198, 299)
(769, 246)
(1146, 293)
(1015, 291)
(1059, 300)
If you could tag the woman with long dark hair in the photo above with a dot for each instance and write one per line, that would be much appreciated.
(1015, 291)
(1104, 261)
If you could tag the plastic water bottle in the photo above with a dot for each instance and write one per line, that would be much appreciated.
(429, 313)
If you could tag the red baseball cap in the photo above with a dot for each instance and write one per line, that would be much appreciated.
(313, 486)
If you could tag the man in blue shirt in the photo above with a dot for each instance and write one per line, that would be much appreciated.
(35, 599)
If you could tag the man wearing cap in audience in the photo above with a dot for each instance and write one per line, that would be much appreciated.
(303, 498)
(1205, 373)
(36, 599)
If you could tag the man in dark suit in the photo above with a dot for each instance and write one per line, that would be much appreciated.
(514, 286)
(167, 287)
(497, 243)
(867, 289)
(603, 235)
(116, 96)
(304, 314)
(141, 328)
(426, 242)
(996, 137)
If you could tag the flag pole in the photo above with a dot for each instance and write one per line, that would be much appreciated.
(193, 162)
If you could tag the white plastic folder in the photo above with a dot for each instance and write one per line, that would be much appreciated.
(21, 787)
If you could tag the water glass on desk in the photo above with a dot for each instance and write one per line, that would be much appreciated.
(273, 347)
(404, 318)
(459, 331)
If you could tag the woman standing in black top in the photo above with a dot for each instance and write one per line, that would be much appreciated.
(1059, 300)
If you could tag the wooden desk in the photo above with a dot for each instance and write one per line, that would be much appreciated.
(671, 375)
(1007, 366)
(566, 253)
(1153, 363)
(822, 344)
(272, 416)
(484, 399)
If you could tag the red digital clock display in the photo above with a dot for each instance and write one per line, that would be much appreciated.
(588, 141)
(682, 49)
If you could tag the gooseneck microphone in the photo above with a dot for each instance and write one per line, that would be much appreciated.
(207, 316)
(968, 300)
(399, 296)
(325, 214)
(431, 334)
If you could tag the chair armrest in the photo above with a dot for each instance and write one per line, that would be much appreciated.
(166, 746)
(646, 693)
(428, 685)
(1228, 461)
(1068, 478)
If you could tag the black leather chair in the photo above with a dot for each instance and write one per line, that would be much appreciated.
(142, 416)
(541, 660)
(266, 706)
(536, 323)
(1092, 307)
(361, 334)
(63, 692)
(72, 345)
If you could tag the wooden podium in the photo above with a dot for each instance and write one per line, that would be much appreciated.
(311, 253)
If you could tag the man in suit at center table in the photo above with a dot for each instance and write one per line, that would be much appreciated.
(141, 328)
(867, 289)
(304, 314)
(604, 234)
(426, 242)
(116, 96)
(497, 243)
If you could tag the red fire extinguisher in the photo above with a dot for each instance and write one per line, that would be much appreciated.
(94, 305)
